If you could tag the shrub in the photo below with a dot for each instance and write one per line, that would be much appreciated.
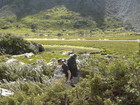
(17, 45)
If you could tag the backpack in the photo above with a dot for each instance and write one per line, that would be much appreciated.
(71, 62)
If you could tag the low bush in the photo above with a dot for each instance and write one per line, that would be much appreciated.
(11, 44)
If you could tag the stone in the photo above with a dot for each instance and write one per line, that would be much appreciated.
(6, 27)
(28, 78)
(108, 56)
(40, 61)
(67, 52)
(26, 55)
(5, 92)
(9, 61)
(38, 47)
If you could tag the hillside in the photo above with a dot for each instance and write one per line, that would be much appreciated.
(127, 10)
(70, 14)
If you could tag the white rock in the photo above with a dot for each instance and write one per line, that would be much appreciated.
(67, 52)
(5, 92)
(14, 61)
(25, 55)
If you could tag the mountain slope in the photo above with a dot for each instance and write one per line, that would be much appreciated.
(126, 10)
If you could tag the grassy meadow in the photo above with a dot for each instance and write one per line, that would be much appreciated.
(54, 49)
(123, 48)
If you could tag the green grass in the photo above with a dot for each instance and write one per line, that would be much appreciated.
(55, 51)
(116, 48)
(55, 48)
(47, 56)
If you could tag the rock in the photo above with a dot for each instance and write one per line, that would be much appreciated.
(40, 61)
(9, 61)
(11, 21)
(28, 78)
(5, 92)
(67, 52)
(108, 56)
(26, 55)
(59, 34)
(33, 26)
(123, 57)
(38, 47)
(87, 55)
(26, 34)
(6, 27)
(63, 29)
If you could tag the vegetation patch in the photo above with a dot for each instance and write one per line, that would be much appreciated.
(10, 44)
(126, 48)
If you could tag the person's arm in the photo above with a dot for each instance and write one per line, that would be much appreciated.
(69, 75)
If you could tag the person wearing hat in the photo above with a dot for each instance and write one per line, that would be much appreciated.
(65, 69)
